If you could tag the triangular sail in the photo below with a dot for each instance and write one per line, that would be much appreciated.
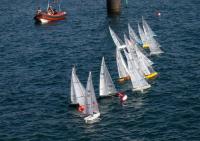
(154, 46)
(133, 35)
(147, 29)
(72, 94)
(131, 51)
(146, 59)
(143, 66)
(91, 102)
(77, 89)
(118, 42)
(142, 34)
(121, 64)
(142, 53)
(106, 84)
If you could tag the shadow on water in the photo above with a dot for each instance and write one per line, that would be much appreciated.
(113, 18)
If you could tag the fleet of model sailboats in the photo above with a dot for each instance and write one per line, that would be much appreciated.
(133, 64)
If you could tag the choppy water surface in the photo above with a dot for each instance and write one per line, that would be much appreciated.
(36, 62)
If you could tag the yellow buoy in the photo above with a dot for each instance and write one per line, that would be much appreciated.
(145, 45)
(152, 75)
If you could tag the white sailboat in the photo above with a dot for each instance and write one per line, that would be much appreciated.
(106, 86)
(77, 90)
(133, 35)
(147, 69)
(137, 79)
(143, 37)
(153, 45)
(147, 28)
(91, 109)
(121, 67)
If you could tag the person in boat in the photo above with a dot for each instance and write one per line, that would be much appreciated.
(50, 10)
(54, 10)
(38, 11)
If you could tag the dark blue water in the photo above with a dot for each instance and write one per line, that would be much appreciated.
(36, 62)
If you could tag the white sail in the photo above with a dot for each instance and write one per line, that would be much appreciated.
(121, 64)
(142, 34)
(142, 53)
(77, 90)
(91, 102)
(72, 94)
(133, 35)
(106, 85)
(131, 51)
(147, 29)
(137, 79)
(154, 46)
(143, 65)
(118, 42)
(145, 58)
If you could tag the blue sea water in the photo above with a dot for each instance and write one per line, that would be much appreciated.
(36, 62)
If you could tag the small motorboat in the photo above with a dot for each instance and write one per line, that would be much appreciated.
(49, 15)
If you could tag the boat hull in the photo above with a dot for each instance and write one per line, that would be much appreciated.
(107, 96)
(151, 76)
(141, 89)
(145, 45)
(122, 80)
(92, 118)
(43, 17)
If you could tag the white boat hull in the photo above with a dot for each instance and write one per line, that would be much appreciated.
(156, 53)
(44, 21)
(92, 118)
(141, 88)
